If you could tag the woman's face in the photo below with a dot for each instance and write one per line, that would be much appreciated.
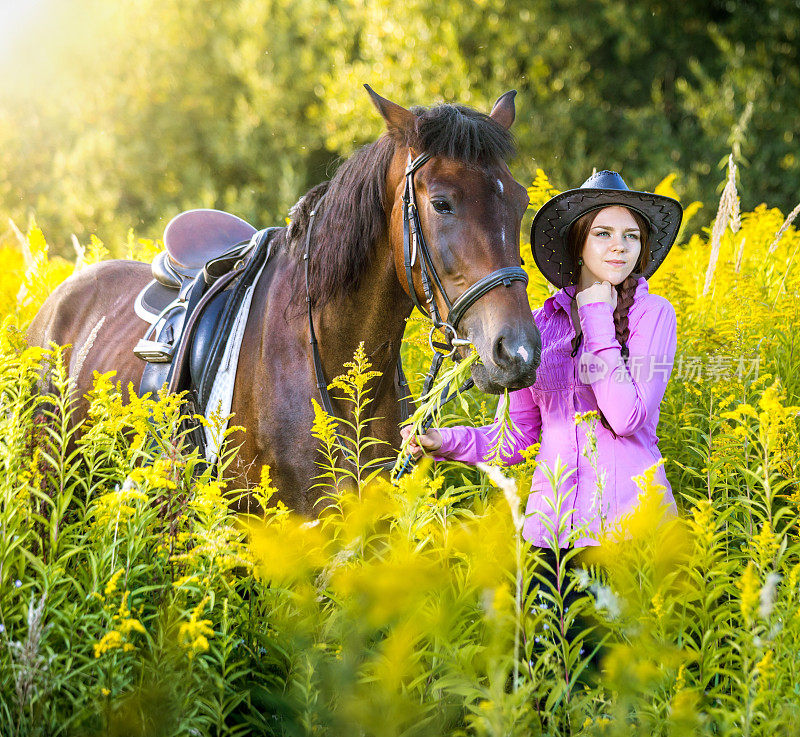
(611, 248)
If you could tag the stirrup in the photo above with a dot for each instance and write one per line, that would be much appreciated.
(154, 351)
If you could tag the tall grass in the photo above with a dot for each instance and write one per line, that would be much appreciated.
(133, 601)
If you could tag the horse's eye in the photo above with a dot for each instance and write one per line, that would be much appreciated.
(442, 206)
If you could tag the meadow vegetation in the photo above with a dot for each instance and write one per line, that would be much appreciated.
(134, 602)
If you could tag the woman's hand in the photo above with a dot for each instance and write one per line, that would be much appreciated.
(601, 291)
(430, 441)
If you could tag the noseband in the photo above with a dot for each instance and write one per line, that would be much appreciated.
(414, 246)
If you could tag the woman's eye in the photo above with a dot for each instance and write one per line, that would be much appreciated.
(442, 206)
(635, 236)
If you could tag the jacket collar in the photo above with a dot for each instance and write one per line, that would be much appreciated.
(563, 298)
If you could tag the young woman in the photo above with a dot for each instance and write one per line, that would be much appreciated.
(608, 345)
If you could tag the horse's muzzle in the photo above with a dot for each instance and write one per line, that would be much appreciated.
(514, 355)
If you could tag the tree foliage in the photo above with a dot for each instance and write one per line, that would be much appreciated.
(121, 115)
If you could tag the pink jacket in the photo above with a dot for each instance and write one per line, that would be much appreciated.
(596, 378)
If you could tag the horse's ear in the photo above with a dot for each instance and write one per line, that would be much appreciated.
(397, 118)
(503, 111)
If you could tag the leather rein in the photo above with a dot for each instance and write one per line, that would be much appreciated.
(415, 248)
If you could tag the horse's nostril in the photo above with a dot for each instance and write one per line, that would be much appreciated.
(500, 354)
(514, 352)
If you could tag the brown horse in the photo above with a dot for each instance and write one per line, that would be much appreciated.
(470, 208)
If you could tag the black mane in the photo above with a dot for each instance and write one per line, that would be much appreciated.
(352, 218)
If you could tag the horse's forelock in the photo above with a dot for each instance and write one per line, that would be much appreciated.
(461, 133)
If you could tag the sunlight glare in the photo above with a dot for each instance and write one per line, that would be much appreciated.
(16, 18)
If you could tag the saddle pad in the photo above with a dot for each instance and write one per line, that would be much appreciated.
(152, 300)
(221, 396)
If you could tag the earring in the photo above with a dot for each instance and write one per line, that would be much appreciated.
(580, 262)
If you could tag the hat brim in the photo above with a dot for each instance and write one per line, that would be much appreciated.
(551, 223)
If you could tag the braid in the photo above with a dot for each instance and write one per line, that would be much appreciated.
(625, 293)
(576, 341)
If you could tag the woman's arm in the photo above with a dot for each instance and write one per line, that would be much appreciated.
(628, 397)
(473, 444)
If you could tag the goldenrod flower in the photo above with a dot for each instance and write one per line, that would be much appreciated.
(765, 544)
(324, 426)
(749, 586)
(658, 604)
(765, 669)
(111, 586)
(109, 641)
(358, 374)
(116, 507)
(540, 191)
(703, 523)
(680, 679)
(193, 635)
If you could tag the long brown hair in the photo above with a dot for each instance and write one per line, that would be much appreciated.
(576, 238)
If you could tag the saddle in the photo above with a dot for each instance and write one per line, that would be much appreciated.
(210, 261)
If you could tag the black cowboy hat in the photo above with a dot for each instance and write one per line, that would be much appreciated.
(603, 189)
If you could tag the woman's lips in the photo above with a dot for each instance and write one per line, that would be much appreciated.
(616, 263)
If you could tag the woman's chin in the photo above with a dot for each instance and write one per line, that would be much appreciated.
(613, 279)
(618, 277)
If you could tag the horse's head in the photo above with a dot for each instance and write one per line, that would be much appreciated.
(469, 213)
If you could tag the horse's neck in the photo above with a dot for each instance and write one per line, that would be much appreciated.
(375, 313)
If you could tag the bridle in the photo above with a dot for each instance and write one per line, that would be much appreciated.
(414, 246)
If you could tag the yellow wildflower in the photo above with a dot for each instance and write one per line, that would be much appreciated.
(208, 498)
(680, 679)
(193, 635)
(703, 524)
(116, 507)
(324, 426)
(158, 476)
(765, 544)
(749, 586)
(109, 641)
(794, 577)
(125, 623)
(658, 604)
(111, 586)
(358, 375)
(589, 417)
(540, 191)
(183, 580)
(765, 669)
